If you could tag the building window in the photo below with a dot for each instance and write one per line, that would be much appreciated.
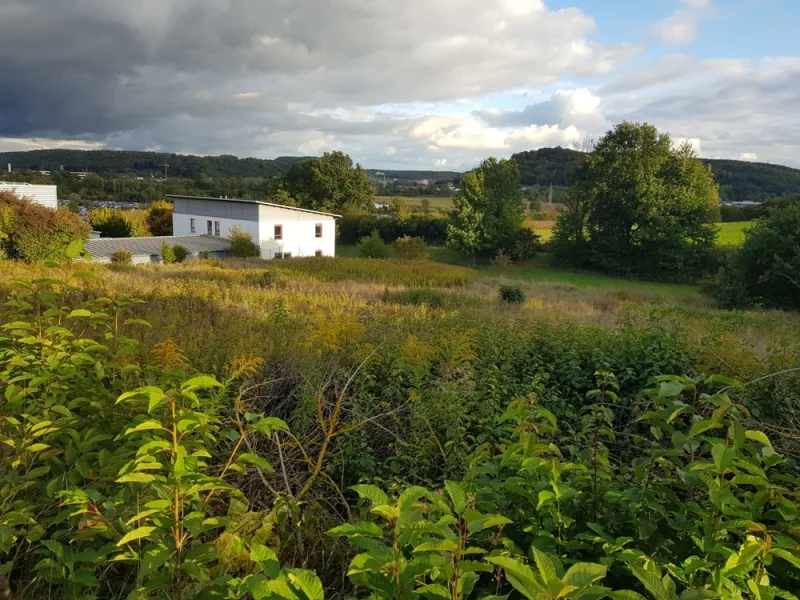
(278, 232)
(318, 230)
(210, 227)
(216, 228)
(192, 225)
(279, 255)
(318, 253)
(287, 255)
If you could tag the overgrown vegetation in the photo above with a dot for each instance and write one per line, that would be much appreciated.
(766, 269)
(34, 232)
(324, 387)
(373, 246)
(242, 245)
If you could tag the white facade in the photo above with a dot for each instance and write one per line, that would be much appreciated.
(280, 231)
(46, 195)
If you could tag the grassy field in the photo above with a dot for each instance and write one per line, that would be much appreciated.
(732, 234)
(416, 201)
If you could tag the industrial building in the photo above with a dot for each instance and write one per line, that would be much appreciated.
(46, 195)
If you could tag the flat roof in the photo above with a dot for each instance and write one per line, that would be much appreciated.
(151, 246)
(262, 202)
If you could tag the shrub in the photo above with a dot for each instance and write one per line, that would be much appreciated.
(512, 294)
(242, 245)
(205, 254)
(115, 223)
(501, 260)
(37, 232)
(180, 253)
(430, 227)
(766, 269)
(523, 246)
(410, 248)
(271, 278)
(431, 297)
(159, 218)
(167, 254)
(373, 246)
(121, 257)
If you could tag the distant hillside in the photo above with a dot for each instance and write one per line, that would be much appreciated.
(414, 175)
(738, 180)
(144, 164)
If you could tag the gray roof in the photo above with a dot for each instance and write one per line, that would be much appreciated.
(307, 210)
(151, 246)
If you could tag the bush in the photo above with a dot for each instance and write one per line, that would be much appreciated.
(114, 223)
(410, 248)
(205, 254)
(36, 232)
(766, 269)
(242, 245)
(431, 297)
(159, 218)
(122, 257)
(523, 246)
(270, 278)
(512, 294)
(373, 246)
(167, 254)
(180, 253)
(430, 227)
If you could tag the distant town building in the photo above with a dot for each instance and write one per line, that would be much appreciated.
(280, 231)
(46, 195)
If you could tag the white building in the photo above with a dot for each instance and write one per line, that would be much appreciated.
(46, 195)
(280, 231)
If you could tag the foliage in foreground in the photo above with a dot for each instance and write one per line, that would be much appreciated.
(113, 481)
(766, 269)
(242, 244)
(702, 508)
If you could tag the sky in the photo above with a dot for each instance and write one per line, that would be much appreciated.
(423, 84)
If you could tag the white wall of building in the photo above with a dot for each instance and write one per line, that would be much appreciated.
(46, 195)
(181, 225)
(299, 230)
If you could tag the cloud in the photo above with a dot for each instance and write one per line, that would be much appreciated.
(748, 156)
(681, 26)
(578, 107)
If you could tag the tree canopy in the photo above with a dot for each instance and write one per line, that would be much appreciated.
(332, 183)
(640, 206)
(489, 210)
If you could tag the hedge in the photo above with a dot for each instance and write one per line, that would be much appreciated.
(432, 228)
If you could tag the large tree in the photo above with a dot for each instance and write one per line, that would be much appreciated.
(641, 205)
(331, 183)
(489, 210)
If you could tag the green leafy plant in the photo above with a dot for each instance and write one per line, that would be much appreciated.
(167, 254)
(512, 294)
(180, 253)
(410, 248)
(373, 246)
(121, 257)
(242, 245)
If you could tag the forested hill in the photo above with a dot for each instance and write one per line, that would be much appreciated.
(144, 164)
(738, 180)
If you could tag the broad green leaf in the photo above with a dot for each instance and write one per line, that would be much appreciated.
(255, 459)
(457, 496)
(466, 583)
(388, 512)
(372, 493)
(651, 582)
(144, 426)
(582, 575)
(437, 546)
(410, 495)
(141, 322)
(546, 567)
(264, 556)
(626, 595)
(308, 583)
(793, 559)
(136, 534)
(74, 249)
(758, 436)
(80, 312)
(723, 456)
(702, 427)
(363, 528)
(137, 478)
(520, 576)
(435, 591)
(200, 382)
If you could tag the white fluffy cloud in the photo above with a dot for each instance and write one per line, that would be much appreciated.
(681, 26)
